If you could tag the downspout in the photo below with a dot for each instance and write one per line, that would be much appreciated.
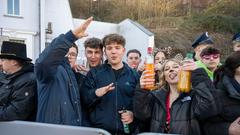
(41, 25)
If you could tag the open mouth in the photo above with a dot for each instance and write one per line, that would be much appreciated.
(172, 76)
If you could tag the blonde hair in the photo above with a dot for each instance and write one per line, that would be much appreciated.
(162, 81)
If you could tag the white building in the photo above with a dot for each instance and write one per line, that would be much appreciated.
(37, 22)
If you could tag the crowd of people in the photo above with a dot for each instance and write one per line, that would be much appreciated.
(109, 93)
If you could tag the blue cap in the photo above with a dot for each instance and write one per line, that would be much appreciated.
(236, 37)
(202, 39)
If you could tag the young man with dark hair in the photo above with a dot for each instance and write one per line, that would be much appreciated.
(134, 58)
(210, 60)
(94, 54)
(18, 95)
(108, 89)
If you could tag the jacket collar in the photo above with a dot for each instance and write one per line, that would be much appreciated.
(161, 96)
(25, 68)
(126, 68)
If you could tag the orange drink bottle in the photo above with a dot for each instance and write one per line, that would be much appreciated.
(184, 78)
(150, 68)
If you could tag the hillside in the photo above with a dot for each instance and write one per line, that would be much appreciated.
(174, 22)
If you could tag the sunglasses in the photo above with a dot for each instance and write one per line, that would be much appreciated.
(208, 57)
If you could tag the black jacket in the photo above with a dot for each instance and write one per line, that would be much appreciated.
(186, 110)
(230, 101)
(18, 95)
(104, 110)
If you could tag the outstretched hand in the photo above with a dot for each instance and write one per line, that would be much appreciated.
(103, 90)
(79, 32)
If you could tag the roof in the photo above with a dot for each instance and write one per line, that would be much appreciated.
(143, 29)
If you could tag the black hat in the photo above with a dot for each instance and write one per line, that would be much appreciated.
(202, 39)
(236, 37)
(13, 50)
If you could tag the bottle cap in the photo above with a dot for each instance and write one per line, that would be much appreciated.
(189, 55)
(149, 50)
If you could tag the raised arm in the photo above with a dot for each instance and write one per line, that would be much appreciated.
(54, 54)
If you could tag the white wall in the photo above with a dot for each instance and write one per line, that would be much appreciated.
(58, 12)
(28, 19)
(135, 38)
(24, 27)
(96, 29)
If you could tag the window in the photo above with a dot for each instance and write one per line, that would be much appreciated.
(13, 7)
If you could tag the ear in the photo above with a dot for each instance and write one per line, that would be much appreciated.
(196, 49)
(124, 49)
(13, 62)
(104, 52)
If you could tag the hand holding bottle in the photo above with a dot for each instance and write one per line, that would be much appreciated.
(126, 118)
(147, 79)
(184, 77)
(149, 68)
(189, 65)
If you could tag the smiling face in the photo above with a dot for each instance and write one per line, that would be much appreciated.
(94, 56)
(170, 72)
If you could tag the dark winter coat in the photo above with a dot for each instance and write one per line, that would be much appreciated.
(230, 101)
(104, 110)
(18, 95)
(185, 111)
(58, 90)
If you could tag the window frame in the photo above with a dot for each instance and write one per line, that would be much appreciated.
(13, 8)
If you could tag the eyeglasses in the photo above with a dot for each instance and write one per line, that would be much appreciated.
(208, 57)
(71, 54)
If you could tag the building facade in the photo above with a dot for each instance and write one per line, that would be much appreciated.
(37, 22)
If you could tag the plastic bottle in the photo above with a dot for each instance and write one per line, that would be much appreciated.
(184, 79)
(150, 67)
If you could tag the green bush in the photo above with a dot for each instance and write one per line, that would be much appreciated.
(213, 22)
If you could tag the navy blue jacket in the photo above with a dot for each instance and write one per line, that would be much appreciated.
(58, 90)
(104, 110)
